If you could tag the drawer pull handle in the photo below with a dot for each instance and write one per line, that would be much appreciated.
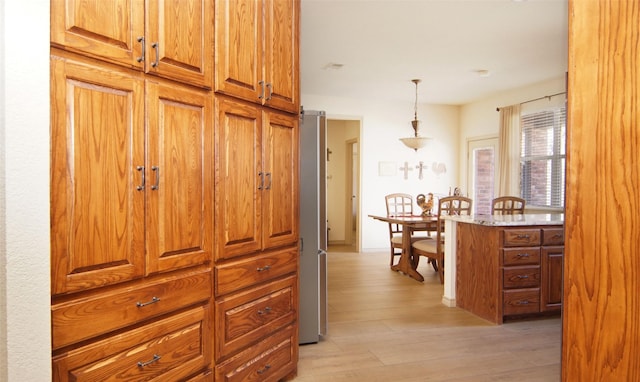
(153, 301)
(522, 255)
(265, 311)
(264, 370)
(523, 302)
(522, 236)
(154, 359)
(522, 277)
(265, 268)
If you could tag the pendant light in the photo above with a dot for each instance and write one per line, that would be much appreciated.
(416, 142)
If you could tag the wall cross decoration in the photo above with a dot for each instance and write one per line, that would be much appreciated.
(406, 170)
(421, 166)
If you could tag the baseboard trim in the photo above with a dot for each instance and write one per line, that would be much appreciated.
(449, 302)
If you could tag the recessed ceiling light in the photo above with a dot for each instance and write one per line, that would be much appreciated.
(483, 73)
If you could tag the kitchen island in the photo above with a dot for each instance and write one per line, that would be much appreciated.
(504, 266)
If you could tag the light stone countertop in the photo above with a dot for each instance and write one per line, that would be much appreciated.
(509, 220)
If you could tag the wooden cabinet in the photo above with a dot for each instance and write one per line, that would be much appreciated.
(257, 51)
(132, 222)
(118, 214)
(256, 178)
(507, 272)
(144, 162)
(172, 39)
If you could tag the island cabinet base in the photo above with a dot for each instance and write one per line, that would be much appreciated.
(509, 272)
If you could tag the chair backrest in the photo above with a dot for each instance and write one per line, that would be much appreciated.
(507, 205)
(399, 204)
(451, 205)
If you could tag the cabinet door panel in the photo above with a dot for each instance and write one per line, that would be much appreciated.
(239, 178)
(551, 282)
(106, 29)
(238, 48)
(179, 173)
(97, 142)
(280, 196)
(281, 61)
(183, 32)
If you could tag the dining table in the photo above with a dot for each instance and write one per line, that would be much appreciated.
(409, 223)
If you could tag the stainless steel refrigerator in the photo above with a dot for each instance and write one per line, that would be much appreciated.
(313, 227)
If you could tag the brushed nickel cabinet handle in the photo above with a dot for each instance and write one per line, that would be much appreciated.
(153, 301)
(265, 311)
(261, 95)
(264, 370)
(270, 91)
(268, 186)
(141, 40)
(141, 186)
(156, 170)
(155, 358)
(522, 255)
(265, 268)
(156, 46)
(261, 185)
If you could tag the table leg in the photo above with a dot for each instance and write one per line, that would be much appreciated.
(405, 264)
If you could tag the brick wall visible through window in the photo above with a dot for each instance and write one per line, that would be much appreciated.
(484, 180)
(542, 161)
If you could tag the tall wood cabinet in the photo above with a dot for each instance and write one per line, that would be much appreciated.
(174, 210)
(257, 51)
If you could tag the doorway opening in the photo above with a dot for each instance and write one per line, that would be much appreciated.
(343, 184)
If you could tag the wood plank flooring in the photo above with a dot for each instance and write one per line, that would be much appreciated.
(384, 326)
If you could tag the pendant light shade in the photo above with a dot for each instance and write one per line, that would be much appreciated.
(416, 142)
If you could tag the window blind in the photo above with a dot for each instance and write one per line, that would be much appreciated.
(543, 156)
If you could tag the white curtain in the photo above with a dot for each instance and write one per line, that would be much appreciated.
(509, 149)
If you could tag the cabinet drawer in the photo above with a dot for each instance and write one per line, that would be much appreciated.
(241, 274)
(521, 301)
(168, 350)
(521, 277)
(249, 316)
(268, 361)
(100, 313)
(521, 237)
(552, 236)
(521, 256)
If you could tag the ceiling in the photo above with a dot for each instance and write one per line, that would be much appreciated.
(374, 48)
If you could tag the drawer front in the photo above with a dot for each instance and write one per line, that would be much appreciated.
(268, 361)
(249, 316)
(169, 349)
(552, 236)
(241, 274)
(521, 237)
(521, 277)
(521, 256)
(521, 301)
(102, 313)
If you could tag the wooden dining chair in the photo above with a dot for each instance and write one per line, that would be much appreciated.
(400, 204)
(507, 205)
(434, 249)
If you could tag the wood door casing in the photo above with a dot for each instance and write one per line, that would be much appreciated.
(179, 173)
(601, 303)
(97, 142)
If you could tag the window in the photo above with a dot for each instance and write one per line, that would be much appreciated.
(543, 157)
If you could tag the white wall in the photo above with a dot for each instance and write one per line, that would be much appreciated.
(383, 123)
(25, 337)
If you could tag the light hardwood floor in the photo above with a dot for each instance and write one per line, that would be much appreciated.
(384, 326)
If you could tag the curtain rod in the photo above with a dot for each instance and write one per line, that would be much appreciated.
(538, 99)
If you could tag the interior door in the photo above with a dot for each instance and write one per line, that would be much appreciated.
(482, 156)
